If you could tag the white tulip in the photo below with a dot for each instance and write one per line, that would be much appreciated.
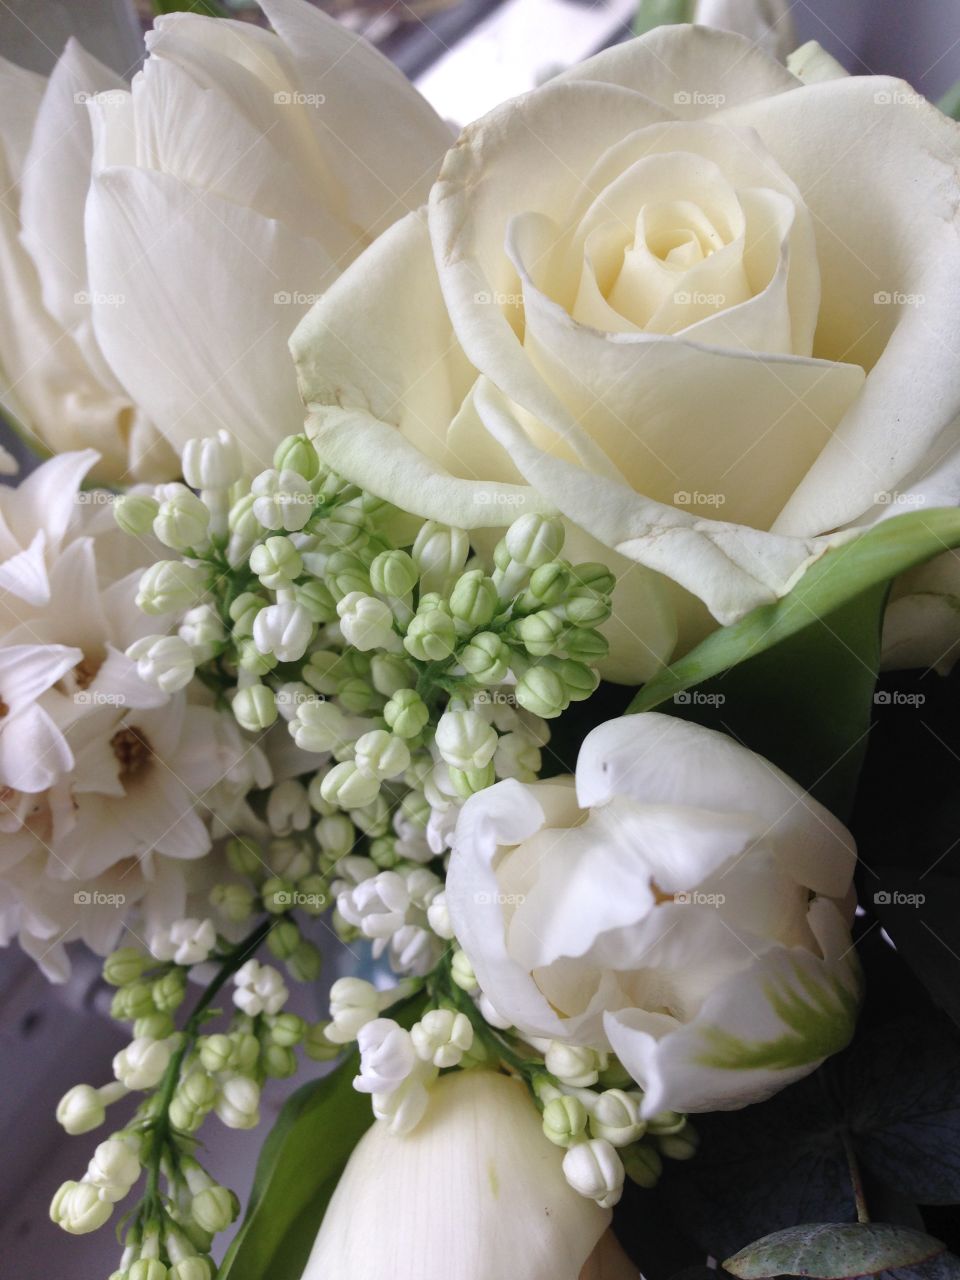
(494, 1185)
(244, 169)
(611, 912)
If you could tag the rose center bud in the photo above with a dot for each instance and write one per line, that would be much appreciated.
(132, 751)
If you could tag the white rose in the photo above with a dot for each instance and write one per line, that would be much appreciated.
(693, 303)
(240, 174)
(766, 22)
(690, 920)
(477, 1157)
(54, 381)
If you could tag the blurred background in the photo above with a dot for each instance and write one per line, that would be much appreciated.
(466, 56)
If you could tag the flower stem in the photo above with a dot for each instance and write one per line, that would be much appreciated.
(854, 1166)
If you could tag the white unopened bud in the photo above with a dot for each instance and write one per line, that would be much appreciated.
(574, 1064)
(188, 941)
(464, 740)
(167, 662)
(81, 1109)
(288, 808)
(336, 834)
(440, 553)
(283, 630)
(142, 1063)
(381, 755)
(170, 586)
(438, 916)
(77, 1208)
(259, 989)
(594, 1169)
(183, 520)
(212, 462)
(461, 971)
(276, 562)
(353, 1003)
(366, 622)
(517, 756)
(239, 1103)
(491, 1013)
(113, 1169)
(616, 1117)
(203, 631)
(319, 726)
(254, 707)
(345, 785)
(442, 1037)
(564, 1120)
(213, 1209)
(533, 540)
(377, 906)
(282, 500)
(192, 1268)
(387, 1056)
(135, 513)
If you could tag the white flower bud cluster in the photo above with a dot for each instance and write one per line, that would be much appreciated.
(394, 1074)
(391, 908)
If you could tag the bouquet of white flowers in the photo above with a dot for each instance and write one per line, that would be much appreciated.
(494, 593)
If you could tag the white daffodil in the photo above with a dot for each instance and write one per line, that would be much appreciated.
(681, 902)
(499, 1204)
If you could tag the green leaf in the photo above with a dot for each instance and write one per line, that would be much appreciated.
(949, 104)
(209, 8)
(659, 13)
(834, 1251)
(298, 1171)
(794, 679)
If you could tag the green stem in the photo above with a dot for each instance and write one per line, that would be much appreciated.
(854, 1167)
(160, 1128)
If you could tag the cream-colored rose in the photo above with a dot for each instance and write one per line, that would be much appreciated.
(54, 381)
(240, 174)
(704, 309)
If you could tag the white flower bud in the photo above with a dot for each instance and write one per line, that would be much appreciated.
(77, 1208)
(574, 1064)
(564, 1120)
(282, 500)
(182, 521)
(142, 1063)
(276, 562)
(319, 726)
(465, 741)
(167, 662)
(345, 785)
(239, 1103)
(259, 989)
(203, 631)
(135, 513)
(193, 1268)
(491, 1014)
(390, 673)
(213, 1209)
(284, 630)
(170, 586)
(387, 1056)
(414, 950)
(188, 941)
(442, 1037)
(254, 707)
(461, 971)
(440, 553)
(517, 756)
(245, 530)
(402, 1108)
(81, 1109)
(365, 621)
(211, 462)
(595, 1170)
(438, 917)
(616, 1117)
(533, 540)
(113, 1170)
(378, 906)
(353, 1003)
(381, 755)
(288, 808)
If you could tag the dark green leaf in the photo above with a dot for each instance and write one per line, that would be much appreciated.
(834, 1251)
(949, 104)
(658, 13)
(209, 8)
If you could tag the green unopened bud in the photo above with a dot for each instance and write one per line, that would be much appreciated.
(416, 808)
(406, 713)
(347, 787)
(317, 1046)
(168, 992)
(183, 1116)
(313, 894)
(305, 963)
(550, 583)
(584, 609)
(192, 1268)
(276, 562)
(148, 1269)
(316, 599)
(461, 971)
(296, 453)
(244, 528)
(474, 599)
(235, 901)
(182, 520)
(336, 834)
(243, 612)
(154, 1026)
(579, 681)
(431, 636)
(381, 755)
(246, 1051)
(383, 851)
(123, 966)
(440, 553)
(284, 938)
(583, 644)
(564, 1120)
(533, 540)
(642, 1164)
(198, 1089)
(393, 573)
(255, 707)
(666, 1122)
(486, 658)
(170, 586)
(133, 1001)
(215, 1052)
(135, 513)
(390, 673)
(285, 1029)
(541, 691)
(277, 896)
(679, 1146)
(594, 577)
(214, 1209)
(356, 694)
(278, 1062)
(374, 819)
(244, 856)
(539, 633)
(251, 660)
